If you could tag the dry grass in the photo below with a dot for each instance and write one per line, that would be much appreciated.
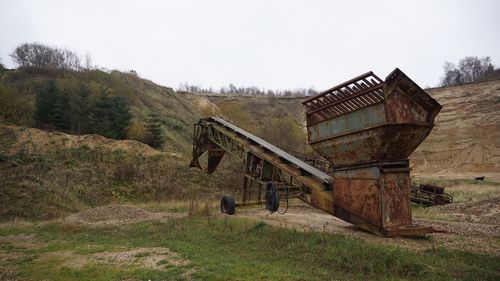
(473, 192)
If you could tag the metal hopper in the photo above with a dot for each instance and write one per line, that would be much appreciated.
(366, 119)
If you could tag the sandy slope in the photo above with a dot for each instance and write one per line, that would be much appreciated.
(466, 138)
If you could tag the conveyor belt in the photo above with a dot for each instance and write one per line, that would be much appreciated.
(282, 154)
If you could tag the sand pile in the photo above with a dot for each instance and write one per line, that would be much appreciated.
(116, 214)
(34, 140)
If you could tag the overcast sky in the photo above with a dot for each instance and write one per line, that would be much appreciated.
(270, 44)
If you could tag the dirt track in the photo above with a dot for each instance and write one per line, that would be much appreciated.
(461, 235)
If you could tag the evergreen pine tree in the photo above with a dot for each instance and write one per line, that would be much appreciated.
(110, 117)
(59, 116)
(100, 118)
(80, 111)
(156, 134)
(51, 108)
(45, 101)
(120, 116)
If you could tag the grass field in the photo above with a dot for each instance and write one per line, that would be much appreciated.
(209, 247)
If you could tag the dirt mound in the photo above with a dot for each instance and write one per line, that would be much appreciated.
(116, 214)
(33, 140)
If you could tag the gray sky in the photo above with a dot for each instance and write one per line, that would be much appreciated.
(270, 44)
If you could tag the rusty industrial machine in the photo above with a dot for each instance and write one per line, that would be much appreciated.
(366, 128)
(429, 195)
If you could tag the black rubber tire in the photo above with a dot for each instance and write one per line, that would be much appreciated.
(227, 205)
(272, 199)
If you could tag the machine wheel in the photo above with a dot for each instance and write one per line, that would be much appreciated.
(227, 205)
(272, 199)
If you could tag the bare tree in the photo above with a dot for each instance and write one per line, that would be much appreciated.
(469, 70)
(88, 61)
(452, 75)
(38, 56)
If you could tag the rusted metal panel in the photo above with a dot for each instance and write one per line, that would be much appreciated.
(408, 230)
(391, 142)
(407, 102)
(375, 193)
(363, 173)
(401, 109)
(323, 200)
(356, 191)
(359, 197)
(354, 121)
(395, 194)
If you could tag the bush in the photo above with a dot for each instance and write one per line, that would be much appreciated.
(14, 108)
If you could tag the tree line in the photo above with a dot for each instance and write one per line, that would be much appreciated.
(83, 113)
(231, 89)
(468, 70)
(79, 113)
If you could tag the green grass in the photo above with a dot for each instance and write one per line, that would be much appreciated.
(237, 249)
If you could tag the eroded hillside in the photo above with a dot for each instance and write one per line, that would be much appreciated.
(466, 138)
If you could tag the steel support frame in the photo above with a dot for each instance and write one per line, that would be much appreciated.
(253, 184)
